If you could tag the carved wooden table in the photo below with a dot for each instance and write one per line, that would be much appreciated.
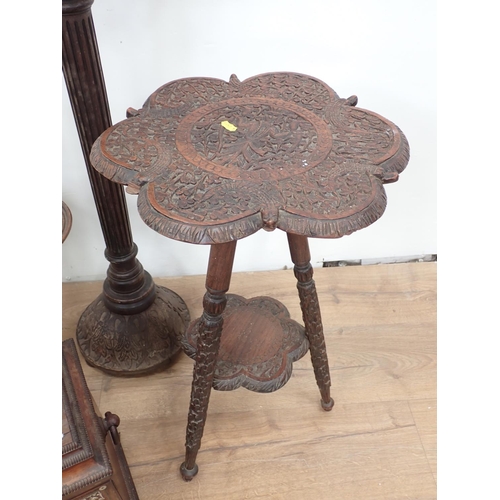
(213, 162)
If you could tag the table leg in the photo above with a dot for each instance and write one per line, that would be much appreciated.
(301, 257)
(214, 302)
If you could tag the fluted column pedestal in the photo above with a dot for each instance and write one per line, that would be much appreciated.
(133, 326)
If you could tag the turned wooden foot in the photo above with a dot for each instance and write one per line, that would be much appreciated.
(311, 314)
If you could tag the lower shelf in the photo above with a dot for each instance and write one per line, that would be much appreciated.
(259, 344)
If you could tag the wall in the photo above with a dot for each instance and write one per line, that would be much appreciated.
(383, 52)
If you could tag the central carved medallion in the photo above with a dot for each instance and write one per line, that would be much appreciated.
(254, 138)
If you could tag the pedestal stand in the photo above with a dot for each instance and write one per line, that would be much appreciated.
(132, 327)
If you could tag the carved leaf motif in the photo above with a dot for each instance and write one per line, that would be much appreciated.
(117, 340)
(266, 372)
(307, 161)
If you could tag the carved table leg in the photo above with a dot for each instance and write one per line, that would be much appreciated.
(132, 327)
(301, 257)
(214, 302)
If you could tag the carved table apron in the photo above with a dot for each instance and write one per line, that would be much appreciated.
(213, 162)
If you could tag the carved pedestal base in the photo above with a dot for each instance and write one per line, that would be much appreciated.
(135, 344)
(259, 343)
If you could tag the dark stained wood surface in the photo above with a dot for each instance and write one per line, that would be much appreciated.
(215, 161)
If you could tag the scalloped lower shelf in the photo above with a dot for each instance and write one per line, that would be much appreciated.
(259, 344)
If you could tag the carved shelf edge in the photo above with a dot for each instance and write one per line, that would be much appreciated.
(259, 344)
(215, 161)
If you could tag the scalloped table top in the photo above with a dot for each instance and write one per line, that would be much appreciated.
(215, 161)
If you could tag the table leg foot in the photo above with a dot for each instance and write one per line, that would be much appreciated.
(327, 406)
(188, 474)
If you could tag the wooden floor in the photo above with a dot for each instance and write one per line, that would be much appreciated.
(379, 442)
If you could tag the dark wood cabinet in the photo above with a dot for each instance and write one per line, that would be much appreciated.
(94, 466)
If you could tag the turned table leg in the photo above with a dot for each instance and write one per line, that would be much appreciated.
(214, 302)
(301, 257)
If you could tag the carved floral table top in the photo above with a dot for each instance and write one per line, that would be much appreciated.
(215, 161)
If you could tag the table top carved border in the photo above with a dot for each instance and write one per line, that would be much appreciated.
(214, 161)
